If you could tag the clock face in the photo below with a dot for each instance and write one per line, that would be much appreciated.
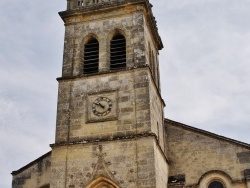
(101, 106)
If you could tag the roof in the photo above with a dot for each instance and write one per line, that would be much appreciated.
(206, 133)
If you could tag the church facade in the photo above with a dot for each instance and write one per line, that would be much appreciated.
(110, 129)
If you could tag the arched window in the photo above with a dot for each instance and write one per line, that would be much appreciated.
(118, 52)
(215, 184)
(215, 179)
(91, 56)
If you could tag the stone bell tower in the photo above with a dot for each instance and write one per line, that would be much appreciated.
(109, 130)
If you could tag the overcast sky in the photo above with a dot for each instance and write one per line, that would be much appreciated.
(205, 71)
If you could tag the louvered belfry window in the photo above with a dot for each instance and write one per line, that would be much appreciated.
(91, 57)
(118, 52)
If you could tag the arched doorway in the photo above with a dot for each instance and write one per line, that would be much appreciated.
(102, 182)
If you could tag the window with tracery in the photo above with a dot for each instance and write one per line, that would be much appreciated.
(118, 52)
(91, 57)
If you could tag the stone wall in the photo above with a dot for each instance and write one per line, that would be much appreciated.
(130, 94)
(35, 175)
(161, 167)
(151, 52)
(128, 163)
(102, 26)
(157, 113)
(124, 144)
(198, 155)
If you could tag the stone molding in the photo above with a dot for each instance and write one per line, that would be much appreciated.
(115, 138)
(102, 182)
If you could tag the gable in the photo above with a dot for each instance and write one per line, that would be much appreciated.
(194, 152)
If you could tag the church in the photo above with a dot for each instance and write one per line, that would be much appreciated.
(111, 131)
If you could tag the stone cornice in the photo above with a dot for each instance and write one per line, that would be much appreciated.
(68, 78)
(97, 140)
(115, 138)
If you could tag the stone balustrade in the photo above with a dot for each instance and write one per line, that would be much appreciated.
(74, 4)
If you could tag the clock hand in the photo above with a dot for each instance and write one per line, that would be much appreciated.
(99, 104)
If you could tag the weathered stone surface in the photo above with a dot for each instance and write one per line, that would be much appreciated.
(135, 106)
(122, 143)
(110, 124)
(244, 157)
(35, 174)
(128, 162)
(195, 153)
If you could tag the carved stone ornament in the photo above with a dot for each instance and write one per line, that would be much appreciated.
(101, 177)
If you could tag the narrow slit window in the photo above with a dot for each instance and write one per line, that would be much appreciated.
(118, 52)
(153, 64)
(91, 57)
